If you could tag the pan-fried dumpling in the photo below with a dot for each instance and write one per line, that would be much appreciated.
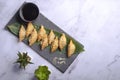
(30, 28)
(22, 33)
(71, 48)
(62, 41)
(51, 37)
(33, 37)
(41, 33)
(44, 42)
(54, 44)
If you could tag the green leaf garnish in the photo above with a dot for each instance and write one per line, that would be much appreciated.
(14, 28)
(42, 73)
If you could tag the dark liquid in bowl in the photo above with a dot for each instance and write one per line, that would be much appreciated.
(30, 11)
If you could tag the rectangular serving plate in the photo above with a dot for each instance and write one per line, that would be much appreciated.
(53, 58)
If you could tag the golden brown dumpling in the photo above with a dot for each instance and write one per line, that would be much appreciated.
(71, 48)
(51, 37)
(33, 37)
(44, 42)
(41, 33)
(22, 33)
(30, 28)
(62, 41)
(54, 44)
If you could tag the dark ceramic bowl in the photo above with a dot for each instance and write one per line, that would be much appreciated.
(29, 12)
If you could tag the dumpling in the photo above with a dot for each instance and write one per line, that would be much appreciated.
(30, 28)
(33, 37)
(54, 44)
(51, 37)
(22, 33)
(62, 41)
(44, 42)
(71, 48)
(41, 33)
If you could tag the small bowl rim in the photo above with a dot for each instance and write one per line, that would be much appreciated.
(21, 15)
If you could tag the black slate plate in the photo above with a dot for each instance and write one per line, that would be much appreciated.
(46, 52)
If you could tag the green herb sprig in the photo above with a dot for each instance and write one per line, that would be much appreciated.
(23, 59)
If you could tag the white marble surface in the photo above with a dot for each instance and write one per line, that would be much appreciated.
(94, 23)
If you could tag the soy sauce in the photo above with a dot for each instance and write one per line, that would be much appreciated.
(29, 12)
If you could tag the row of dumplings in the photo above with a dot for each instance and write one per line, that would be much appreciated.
(46, 39)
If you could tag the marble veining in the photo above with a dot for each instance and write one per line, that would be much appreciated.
(94, 23)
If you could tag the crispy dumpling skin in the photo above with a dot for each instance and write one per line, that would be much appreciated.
(54, 44)
(33, 37)
(30, 28)
(62, 41)
(22, 33)
(44, 42)
(51, 37)
(41, 33)
(71, 48)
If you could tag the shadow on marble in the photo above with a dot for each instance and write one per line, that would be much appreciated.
(33, 78)
(16, 68)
